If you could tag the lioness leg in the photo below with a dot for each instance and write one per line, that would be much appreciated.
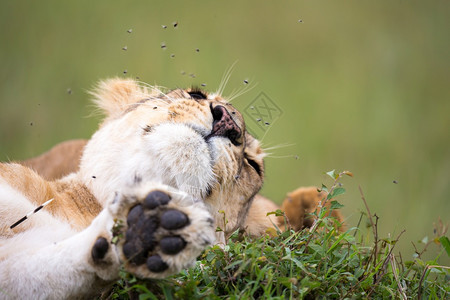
(59, 161)
(159, 232)
(300, 205)
(47, 259)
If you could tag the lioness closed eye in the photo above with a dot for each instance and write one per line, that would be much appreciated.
(146, 192)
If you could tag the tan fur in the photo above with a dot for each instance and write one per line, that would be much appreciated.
(113, 96)
(258, 222)
(75, 205)
(59, 161)
(300, 204)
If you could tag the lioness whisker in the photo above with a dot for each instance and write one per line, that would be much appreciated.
(241, 91)
(226, 77)
(281, 156)
(277, 147)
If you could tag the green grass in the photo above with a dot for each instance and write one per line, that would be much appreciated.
(316, 263)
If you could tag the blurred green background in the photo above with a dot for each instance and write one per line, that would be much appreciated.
(363, 86)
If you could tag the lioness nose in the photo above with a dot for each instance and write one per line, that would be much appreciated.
(224, 125)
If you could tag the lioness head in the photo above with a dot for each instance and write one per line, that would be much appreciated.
(188, 139)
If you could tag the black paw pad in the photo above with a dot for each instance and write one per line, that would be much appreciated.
(139, 238)
(156, 264)
(155, 199)
(173, 219)
(100, 248)
(172, 244)
(133, 251)
(135, 214)
(147, 234)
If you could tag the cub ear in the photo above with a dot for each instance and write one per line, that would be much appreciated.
(113, 96)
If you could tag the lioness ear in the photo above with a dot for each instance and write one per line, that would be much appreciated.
(113, 96)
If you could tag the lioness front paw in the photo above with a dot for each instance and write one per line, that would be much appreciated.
(161, 233)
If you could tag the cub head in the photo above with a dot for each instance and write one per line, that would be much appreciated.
(188, 139)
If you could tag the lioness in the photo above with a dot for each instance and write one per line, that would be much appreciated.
(152, 185)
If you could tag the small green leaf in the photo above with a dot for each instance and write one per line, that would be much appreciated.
(287, 281)
(445, 243)
(235, 234)
(409, 263)
(271, 232)
(359, 272)
(389, 241)
(210, 256)
(310, 284)
(278, 213)
(332, 174)
(336, 205)
(424, 240)
(317, 249)
(336, 192)
(323, 188)
(437, 270)
(336, 243)
(349, 238)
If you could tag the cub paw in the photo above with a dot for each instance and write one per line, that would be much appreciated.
(161, 233)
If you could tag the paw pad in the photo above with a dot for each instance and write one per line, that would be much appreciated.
(173, 219)
(135, 214)
(156, 264)
(172, 244)
(100, 249)
(155, 199)
(142, 238)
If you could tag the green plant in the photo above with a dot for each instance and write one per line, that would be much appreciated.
(318, 262)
